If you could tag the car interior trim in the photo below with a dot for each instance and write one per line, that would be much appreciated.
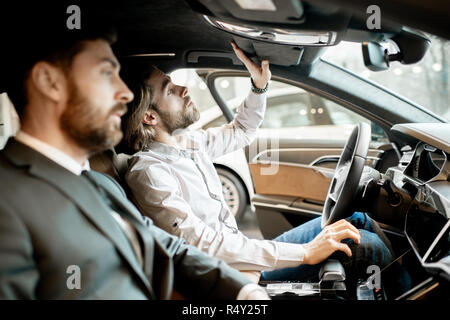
(276, 35)
(169, 54)
(285, 207)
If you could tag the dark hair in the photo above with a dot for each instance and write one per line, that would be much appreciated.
(40, 34)
(137, 134)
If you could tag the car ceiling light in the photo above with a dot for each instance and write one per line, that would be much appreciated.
(276, 35)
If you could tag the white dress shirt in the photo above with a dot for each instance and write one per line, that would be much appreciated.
(54, 154)
(248, 292)
(181, 191)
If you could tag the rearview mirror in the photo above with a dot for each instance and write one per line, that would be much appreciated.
(412, 47)
(376, 57)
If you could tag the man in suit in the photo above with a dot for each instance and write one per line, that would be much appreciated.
(67, 232)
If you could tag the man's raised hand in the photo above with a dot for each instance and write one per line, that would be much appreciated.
(260, 75)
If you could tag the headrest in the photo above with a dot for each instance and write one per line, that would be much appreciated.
(112, 164)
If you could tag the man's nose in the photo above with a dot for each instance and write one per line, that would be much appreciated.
(124, 94)
(184, 91)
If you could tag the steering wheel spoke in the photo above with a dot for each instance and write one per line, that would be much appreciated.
(333, 197)
(347, 175)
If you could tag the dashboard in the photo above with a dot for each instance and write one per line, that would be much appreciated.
(424, 173)
(425, 163)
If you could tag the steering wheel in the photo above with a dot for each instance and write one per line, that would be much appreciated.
(346, 177)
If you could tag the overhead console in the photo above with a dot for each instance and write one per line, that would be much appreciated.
(277, 30)
(294, 22)
(261, 27)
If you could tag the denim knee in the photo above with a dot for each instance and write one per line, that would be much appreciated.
(372, 249)
(360, 221)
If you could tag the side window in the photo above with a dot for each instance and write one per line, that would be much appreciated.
(233, 91)
(287, 110)
(299, 113)
(197, 88)
(210, 113)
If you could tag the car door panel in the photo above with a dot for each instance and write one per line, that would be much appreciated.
(304, 172)
(289, 179)
(277, 214)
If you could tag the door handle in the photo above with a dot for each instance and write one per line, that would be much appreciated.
(324, 160)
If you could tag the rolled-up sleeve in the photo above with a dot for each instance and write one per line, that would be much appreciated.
(238, 133)
(156, 193)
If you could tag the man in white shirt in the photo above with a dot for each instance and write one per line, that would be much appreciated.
(67, 232)
(173, 181)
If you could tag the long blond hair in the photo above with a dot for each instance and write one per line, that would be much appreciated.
(137, 134)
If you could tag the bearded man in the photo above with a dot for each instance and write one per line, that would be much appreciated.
(173, 180)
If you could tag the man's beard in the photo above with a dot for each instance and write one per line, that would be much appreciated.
(85, 123)
(181, 120)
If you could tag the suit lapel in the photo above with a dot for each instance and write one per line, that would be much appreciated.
(81, 192)
(133, 216)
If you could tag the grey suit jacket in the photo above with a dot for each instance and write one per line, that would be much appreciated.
(51, 219)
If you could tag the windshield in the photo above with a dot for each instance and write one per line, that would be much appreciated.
(426, 83)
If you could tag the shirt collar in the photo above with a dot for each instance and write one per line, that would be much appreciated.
(54, 154)
(164, 150)
(173, 153)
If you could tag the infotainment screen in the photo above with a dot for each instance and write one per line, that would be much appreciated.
(429, 234)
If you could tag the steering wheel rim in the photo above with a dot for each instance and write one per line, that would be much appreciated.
(347, 175)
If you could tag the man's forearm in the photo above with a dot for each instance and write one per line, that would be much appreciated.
(251, 112)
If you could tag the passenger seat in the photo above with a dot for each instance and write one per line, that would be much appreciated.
(112, 164)
(116, 165)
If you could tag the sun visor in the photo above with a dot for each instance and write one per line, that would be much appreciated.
(279, 55)
(257, 51)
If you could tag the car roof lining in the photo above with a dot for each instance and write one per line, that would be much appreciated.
(174, 26)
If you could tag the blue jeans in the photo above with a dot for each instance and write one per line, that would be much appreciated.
(371, 251)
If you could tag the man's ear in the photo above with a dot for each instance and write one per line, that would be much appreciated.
(49, 80)
(150, 118)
